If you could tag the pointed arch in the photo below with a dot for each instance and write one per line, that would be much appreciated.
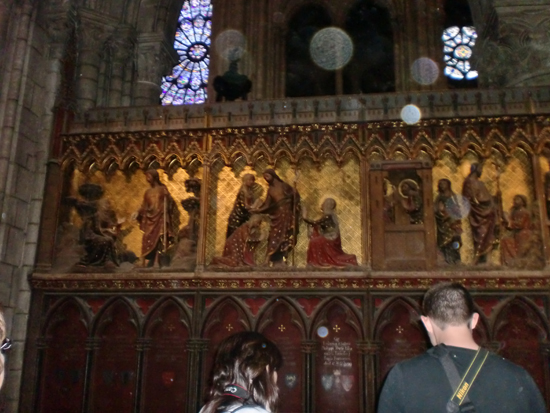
(165, 363)
(114, 371)
(520, 329)
(65, 334)
(398, 329)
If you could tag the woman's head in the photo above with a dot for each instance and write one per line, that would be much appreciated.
(251, 361)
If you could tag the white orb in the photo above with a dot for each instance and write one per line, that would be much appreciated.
(230, 44)
(425, 71)
(322, 331)
(331, 48)
(410, 114)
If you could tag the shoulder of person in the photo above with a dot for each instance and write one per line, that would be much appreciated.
(249, 409)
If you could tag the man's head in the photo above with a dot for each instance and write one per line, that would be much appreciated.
(443, 185)
(449, 312)
(477, 169)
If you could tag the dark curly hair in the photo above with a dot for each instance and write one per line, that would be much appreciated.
(249, 360)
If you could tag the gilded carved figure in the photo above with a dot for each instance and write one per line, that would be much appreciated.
(241, 244)
(158, 218)
(191, 205)
(247, 198)
(483, 213)
(100, 228)
(389, 202)
(282, 204)
(325, 244)
(411, 200)
(516, 246)
(447, 212)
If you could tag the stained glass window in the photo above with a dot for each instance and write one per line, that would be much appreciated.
(458, 44)
(189, 79)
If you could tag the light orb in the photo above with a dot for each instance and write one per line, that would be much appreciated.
(425, 71)
(231, 44)
(331, 48)
(410, 114)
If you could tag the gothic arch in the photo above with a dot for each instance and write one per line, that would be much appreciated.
(520, 329)
(398, 330)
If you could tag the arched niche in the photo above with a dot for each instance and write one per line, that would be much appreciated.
(372, 68)
(338, 369)
(303, 76)
(400, 334)
(165, 363)
(64, 358)
(282, 324)
(114, 371)
(223, 320)
(520, 330)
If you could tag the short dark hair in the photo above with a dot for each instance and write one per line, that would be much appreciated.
(242, 359)
(448, 304)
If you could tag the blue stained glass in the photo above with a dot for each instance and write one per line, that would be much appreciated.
(189, 79)
(457, 48)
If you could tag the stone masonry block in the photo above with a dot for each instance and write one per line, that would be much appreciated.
(24, 301)
(35, 210)
(30, 254)
(14, 248)
(21, 213)
(5, 291)
(19, 330)
(25, 185)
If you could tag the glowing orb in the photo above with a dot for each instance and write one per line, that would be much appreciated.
(331, 48)
(457, 206)
(322, 332)
(231, 44)
(424, 71)
(410, 114)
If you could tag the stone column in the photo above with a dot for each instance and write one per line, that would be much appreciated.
(95, 29)
(155, 59)
(309, 348)
(123, 44)
(195, 350)
(369, 351)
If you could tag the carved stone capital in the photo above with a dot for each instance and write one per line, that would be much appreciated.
(94, 30)
(309, 346)
(197, 345)
(122, 44)
(155, 57)
(369, 348)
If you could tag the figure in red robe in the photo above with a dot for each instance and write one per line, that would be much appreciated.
(325, 244)
(483, 213)
(158, 218)
(282, 203)
(240, 246)
(517, 244)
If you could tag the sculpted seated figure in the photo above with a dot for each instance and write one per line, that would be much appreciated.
(325, 244)
(240, 246)
(517, 244)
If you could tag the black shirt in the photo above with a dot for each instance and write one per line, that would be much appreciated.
(420, 385)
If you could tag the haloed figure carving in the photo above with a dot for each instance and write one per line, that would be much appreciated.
(449, 225)
(325, 245)
(411, 200)
(158, 218)
(282, 203)
(248, 195)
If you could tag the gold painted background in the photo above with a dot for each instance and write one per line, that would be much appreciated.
(515, 179)
(314, 182)
(126, 195)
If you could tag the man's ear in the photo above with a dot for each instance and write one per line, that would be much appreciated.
(473, 321)
(427, 323)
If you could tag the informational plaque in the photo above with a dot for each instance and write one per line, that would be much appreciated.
(115, 364)
(281, 328)
(64, 362)
(337, 364)
(165, 362)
